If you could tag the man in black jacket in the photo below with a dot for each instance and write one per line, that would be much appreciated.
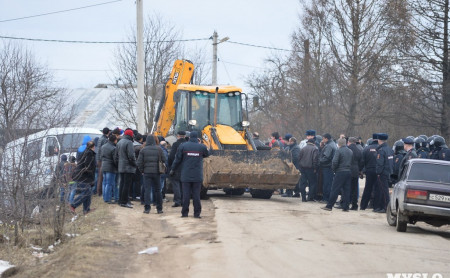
(109, 168)
(102, 141)
(148, 164)
(309, 163)
(294, 149)
(356, 168)
(325, 160)
(341, 165)
(190, 157)
(126, 162)
(84, 176)
(175, 179)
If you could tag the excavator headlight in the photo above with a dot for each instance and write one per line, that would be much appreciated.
(192, 122)
(245, 123)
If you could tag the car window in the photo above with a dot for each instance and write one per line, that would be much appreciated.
(430, 172)
(403, 172)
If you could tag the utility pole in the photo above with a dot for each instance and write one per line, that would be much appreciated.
(215, 43)
(140, 67)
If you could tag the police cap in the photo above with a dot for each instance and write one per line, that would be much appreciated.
(408, 141)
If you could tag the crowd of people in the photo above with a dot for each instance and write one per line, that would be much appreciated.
(330, 168)
(123, 166)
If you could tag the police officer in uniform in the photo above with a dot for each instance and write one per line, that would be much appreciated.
(369, 161)
(442, 151)
(421, 147)
(190, 158)
(383, 171)
(434, 148)
(399, 153)
(410, 153)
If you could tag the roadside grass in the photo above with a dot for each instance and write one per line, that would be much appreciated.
(87, 246)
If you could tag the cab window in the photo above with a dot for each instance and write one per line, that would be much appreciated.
(51, 146)
(33, 150)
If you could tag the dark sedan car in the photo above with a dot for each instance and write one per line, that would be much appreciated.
(421, 194)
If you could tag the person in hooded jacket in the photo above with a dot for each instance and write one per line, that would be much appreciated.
(190, 158)
(148, 164)
(126, 166)
(82, 148)
(84, 176)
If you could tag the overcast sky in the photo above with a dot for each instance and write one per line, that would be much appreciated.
(257, 22)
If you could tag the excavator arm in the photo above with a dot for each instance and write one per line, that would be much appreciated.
(182, 73)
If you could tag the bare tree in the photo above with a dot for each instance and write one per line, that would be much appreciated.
(311, 69)
(161, 49)
(29, 101)
(363, 44)
(426, 69)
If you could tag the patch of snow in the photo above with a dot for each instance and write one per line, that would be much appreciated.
(4, 266)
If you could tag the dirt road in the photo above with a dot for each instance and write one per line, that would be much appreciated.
(281, 237)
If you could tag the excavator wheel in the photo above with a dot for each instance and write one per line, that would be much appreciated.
(261, 193)
(234, 191)
(204, 193)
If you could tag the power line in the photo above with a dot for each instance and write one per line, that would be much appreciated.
(126, 42)
(57, 12)
(92, 42)
(259, 46)
(102, 70)
(242, 65)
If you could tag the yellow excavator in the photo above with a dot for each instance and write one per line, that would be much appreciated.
(216, 112)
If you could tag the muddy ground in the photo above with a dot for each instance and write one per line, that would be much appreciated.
(243, 237)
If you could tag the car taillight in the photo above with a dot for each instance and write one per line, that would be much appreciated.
(416, 194)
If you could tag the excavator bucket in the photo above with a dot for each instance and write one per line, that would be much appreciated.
(264, 170)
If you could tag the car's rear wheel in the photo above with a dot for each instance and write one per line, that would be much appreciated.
(391, 219)
(401, 225)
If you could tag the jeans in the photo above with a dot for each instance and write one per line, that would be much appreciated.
(341, 181)
(371, 179)
(62, 190)
(381, 193)
(84, 196)
(73, 191)
(327, 176)
(176, 187)
(94, 188)
(152, 184)
(193, 188)
(109, 182)
(162, 179)
(115, 189)
(125, 182)
(309, 177)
